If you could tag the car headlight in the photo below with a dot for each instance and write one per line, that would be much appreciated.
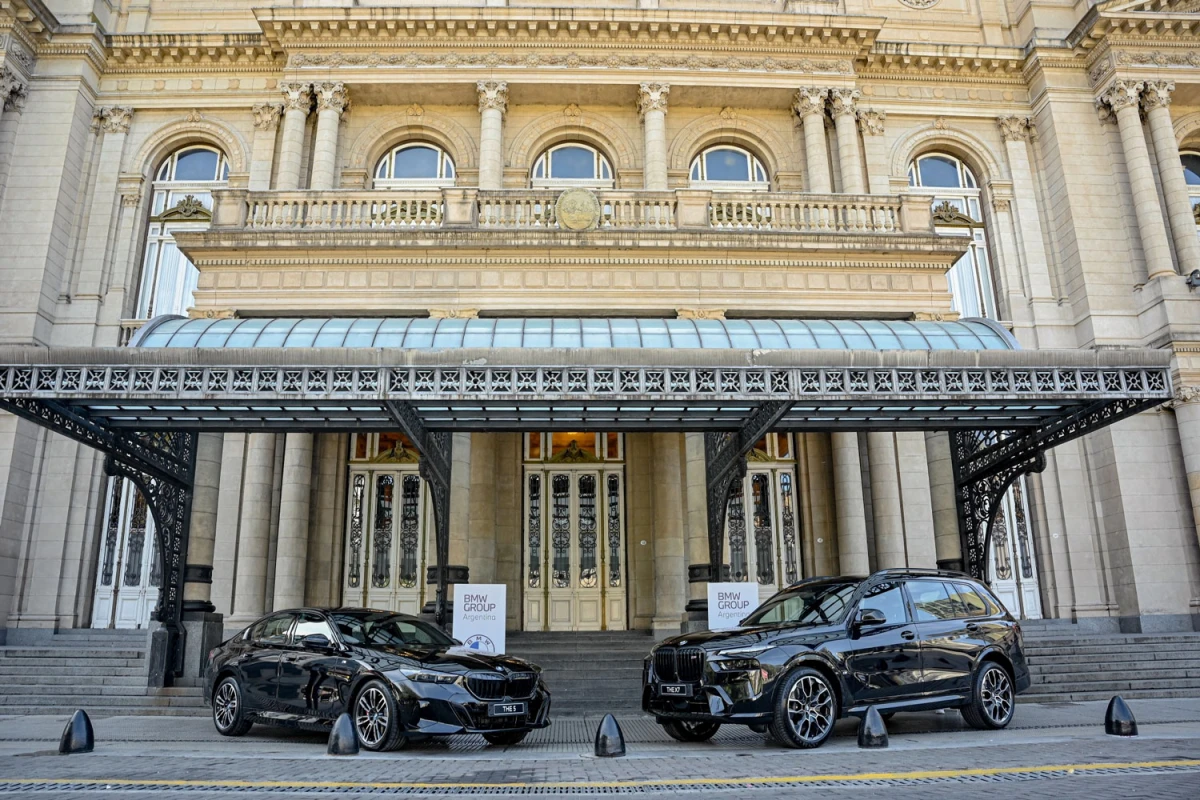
(428, 676)
(742, 652)
(735, 665)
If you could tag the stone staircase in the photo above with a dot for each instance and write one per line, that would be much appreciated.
(100, 671)
(1076, 667)
(587, 672)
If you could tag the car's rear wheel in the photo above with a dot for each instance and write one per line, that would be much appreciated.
(993, 701)
(377, 718)
(229, 712)
(682, 731)
(805, 709)
(506, 737)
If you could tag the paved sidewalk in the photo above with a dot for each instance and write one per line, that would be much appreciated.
(1051, 750)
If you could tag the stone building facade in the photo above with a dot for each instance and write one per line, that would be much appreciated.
(1034, 163)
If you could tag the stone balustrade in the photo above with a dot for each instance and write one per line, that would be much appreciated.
(533, 209)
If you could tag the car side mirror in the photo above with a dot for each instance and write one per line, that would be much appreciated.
(316, 641)
(869, 617)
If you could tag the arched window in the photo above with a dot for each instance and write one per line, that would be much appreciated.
(1191, 174)
(572, 164)
(415, 164)
(728, 168)
(182, 200)
(957, 213)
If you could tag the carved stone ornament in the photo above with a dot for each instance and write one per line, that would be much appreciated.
(920, 5)
(193, 116)
(266, 116)
(1122, 95)
(653, 97)
(1157, 94)
(843, 102)
(572, 111)
(809, 100)
(1014, 128)
(188, 208)
(700, 313)
(415, 110)
(946, 213)
(12, 90)
(872, 121)
(729, 114)
(573, 454)
(297, 96)
(332, 96)
(492, 95)
(116, 119)
(577, 210)
(1186, 394)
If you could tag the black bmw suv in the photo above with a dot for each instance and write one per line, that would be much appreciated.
(900, 640)
(398, 677)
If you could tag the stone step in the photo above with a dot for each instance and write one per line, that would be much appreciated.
(95, 711)
(1100, 653)
(105, 700)
(77, 672)
(1118, 685)
(97, 690)
(69, 652)
(92, 665)
(1064, 678)
(42, 679)
(1126, 640)
(1085, 696)
(1115, 657)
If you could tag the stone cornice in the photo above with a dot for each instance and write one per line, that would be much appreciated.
(150, 53)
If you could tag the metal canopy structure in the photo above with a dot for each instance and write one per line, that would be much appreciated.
(144, 405)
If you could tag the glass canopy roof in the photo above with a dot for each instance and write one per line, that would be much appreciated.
(430, 334)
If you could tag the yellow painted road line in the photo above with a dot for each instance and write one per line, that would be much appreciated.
(939, 774)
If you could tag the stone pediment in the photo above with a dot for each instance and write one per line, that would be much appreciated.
(1150, 7)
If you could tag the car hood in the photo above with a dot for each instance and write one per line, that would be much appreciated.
(456, 660)
(754, 636)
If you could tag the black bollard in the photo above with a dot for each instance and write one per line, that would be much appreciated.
(872, 732)
(610, 742)
(78, 736)
(1118, 720)
(343, 739)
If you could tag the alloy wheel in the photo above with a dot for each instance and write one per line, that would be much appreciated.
(810, 708)
(997, 697)
(371, 717)
(225, 705)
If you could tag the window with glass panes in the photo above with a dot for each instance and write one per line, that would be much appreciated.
(415, 164)
(728, 168)
(572, 164)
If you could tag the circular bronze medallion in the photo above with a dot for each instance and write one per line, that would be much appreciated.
(577, 210)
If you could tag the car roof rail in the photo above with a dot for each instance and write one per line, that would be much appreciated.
(922, 572)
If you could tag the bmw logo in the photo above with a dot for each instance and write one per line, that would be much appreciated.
(480, 642)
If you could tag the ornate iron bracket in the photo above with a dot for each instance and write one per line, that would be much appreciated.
(436, 449)
(724, 464)
(988, 462)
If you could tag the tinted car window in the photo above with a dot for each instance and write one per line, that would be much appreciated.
(388, 630)
(811, 604)
(971, 600)
(308, 624)
(932, 600)
(888, 600)
(272, 630)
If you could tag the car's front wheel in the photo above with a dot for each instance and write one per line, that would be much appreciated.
(682, 731)
(993, 701)
(805, 709)
(377, 718)
(229, 712)
(506, 737)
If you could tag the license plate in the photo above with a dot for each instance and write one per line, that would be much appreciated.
(675, 689)
(506, 709)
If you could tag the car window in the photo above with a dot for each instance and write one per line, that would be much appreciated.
(888, 600)
(932, 600)
(971, 600)
(272, 630)
(812, 604)
(308, 624)
(383, 629)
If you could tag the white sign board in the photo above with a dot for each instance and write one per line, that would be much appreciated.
(479, 612)
(729, 603)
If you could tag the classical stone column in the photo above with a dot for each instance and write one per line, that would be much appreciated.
(206, 485)
(913, 468)
(229, 504)
(1123, 97)
(843, 105)
(291, 553)
(1156, 100)
(493, 103)
(809, 106)
(1187, 418)
(250, 591)
(652, 106)
(1016, 132)
(885, 501)
(481, 541)
(262, 149)
(670, 571)
(875, 150)
(102, 217)
(332, 100)
(945, 507)
(696, 535)
(13, 89)
(851, 509)
(297, 102)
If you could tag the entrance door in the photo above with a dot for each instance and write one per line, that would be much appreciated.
(762, 531)
(574, 550)
(1013, 566)
(385, 546)
(129, 570)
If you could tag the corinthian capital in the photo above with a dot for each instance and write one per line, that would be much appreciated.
(297, 96)
(1014, 128)
(266, 116)
(492, 94)
(116, 119)
(332, 95)
(12, 89)
(809, 100)
(1157, 94)
(652, 97)
(872, 121)
(1122, 95)
(843, 101)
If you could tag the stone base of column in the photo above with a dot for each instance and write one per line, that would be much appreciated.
(702, 573)
(664, 628)
(695, 615)
(454, 574)
(955, 564)
(204, 631)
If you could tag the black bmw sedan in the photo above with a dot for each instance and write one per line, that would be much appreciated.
(900, 640)
(397, 676)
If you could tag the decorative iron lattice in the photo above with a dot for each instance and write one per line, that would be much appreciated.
(410, 530)
(791, 560)
(764, 529)
(535, 531)
(112, 531)
(358, 497)
(614, 531)
(381, 533)
(588, 533)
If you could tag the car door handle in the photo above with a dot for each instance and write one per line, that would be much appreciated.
(907, 635)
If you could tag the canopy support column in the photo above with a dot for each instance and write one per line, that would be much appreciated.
(724, 464)
(436, 449)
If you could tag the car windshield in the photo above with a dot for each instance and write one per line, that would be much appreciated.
(388, 630)
(811, 604)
